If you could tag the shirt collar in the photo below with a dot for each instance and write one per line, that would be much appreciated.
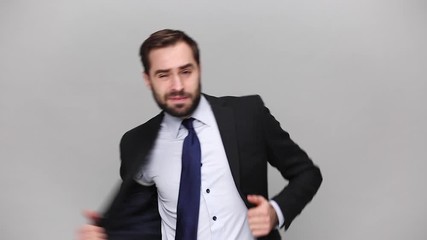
(203, 115)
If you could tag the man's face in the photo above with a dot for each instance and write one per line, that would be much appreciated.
(174, 79)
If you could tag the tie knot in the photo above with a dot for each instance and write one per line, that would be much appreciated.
(188, 123)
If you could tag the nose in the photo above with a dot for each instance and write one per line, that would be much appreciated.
(177, 83)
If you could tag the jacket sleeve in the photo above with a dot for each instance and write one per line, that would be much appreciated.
(304, 178)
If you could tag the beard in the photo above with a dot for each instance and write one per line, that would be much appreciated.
(179, 110)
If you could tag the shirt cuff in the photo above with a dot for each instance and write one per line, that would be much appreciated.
(280, 217)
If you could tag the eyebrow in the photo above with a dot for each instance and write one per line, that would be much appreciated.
(188, 65)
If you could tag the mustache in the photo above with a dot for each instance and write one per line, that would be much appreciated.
(178, 94)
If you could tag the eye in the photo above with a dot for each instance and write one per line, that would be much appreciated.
(162, 75)
(186, 71)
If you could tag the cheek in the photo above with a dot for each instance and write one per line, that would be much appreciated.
(192, 85)
(160, 89)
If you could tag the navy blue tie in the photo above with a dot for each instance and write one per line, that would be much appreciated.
(189, 189)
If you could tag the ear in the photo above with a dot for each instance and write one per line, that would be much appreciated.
(147, 80)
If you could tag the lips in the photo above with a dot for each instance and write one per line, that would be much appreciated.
(178, 98)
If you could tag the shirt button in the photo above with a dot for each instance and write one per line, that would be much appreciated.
(208, 190)
(214, 218)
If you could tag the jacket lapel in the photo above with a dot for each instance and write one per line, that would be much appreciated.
(225, 119)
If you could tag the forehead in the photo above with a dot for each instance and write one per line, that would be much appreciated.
(171, 57)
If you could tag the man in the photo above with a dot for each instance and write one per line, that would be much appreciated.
(198, 170)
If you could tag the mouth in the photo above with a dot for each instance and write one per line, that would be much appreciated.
(177, 99)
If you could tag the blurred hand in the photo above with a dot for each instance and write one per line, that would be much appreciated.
(262, 218)
(90, 231)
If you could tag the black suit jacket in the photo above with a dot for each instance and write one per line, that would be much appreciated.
(251, 137)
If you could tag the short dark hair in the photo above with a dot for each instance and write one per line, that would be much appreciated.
(165, 38)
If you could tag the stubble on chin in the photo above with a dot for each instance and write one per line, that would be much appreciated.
(179, 110)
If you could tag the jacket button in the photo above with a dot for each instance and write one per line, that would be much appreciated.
(208, 190)
(214, 218)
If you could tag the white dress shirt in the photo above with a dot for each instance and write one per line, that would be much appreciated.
(222, 214)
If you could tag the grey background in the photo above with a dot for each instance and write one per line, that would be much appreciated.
(347, 79)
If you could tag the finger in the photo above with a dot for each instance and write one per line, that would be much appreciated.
(92, 232)
(256, 199)
(259, 228)
(256, 212)
(258, 217)
(261, 206)
(92, 216)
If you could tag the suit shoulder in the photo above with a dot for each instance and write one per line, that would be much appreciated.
(241, 100)
(142, 129)
(251, 102)
(138, 140)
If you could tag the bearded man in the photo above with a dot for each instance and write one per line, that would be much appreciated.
(198, 170)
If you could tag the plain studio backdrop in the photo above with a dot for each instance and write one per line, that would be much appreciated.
(347, 79)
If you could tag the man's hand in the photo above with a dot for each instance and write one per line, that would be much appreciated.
(262, 218)
(90, 231)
